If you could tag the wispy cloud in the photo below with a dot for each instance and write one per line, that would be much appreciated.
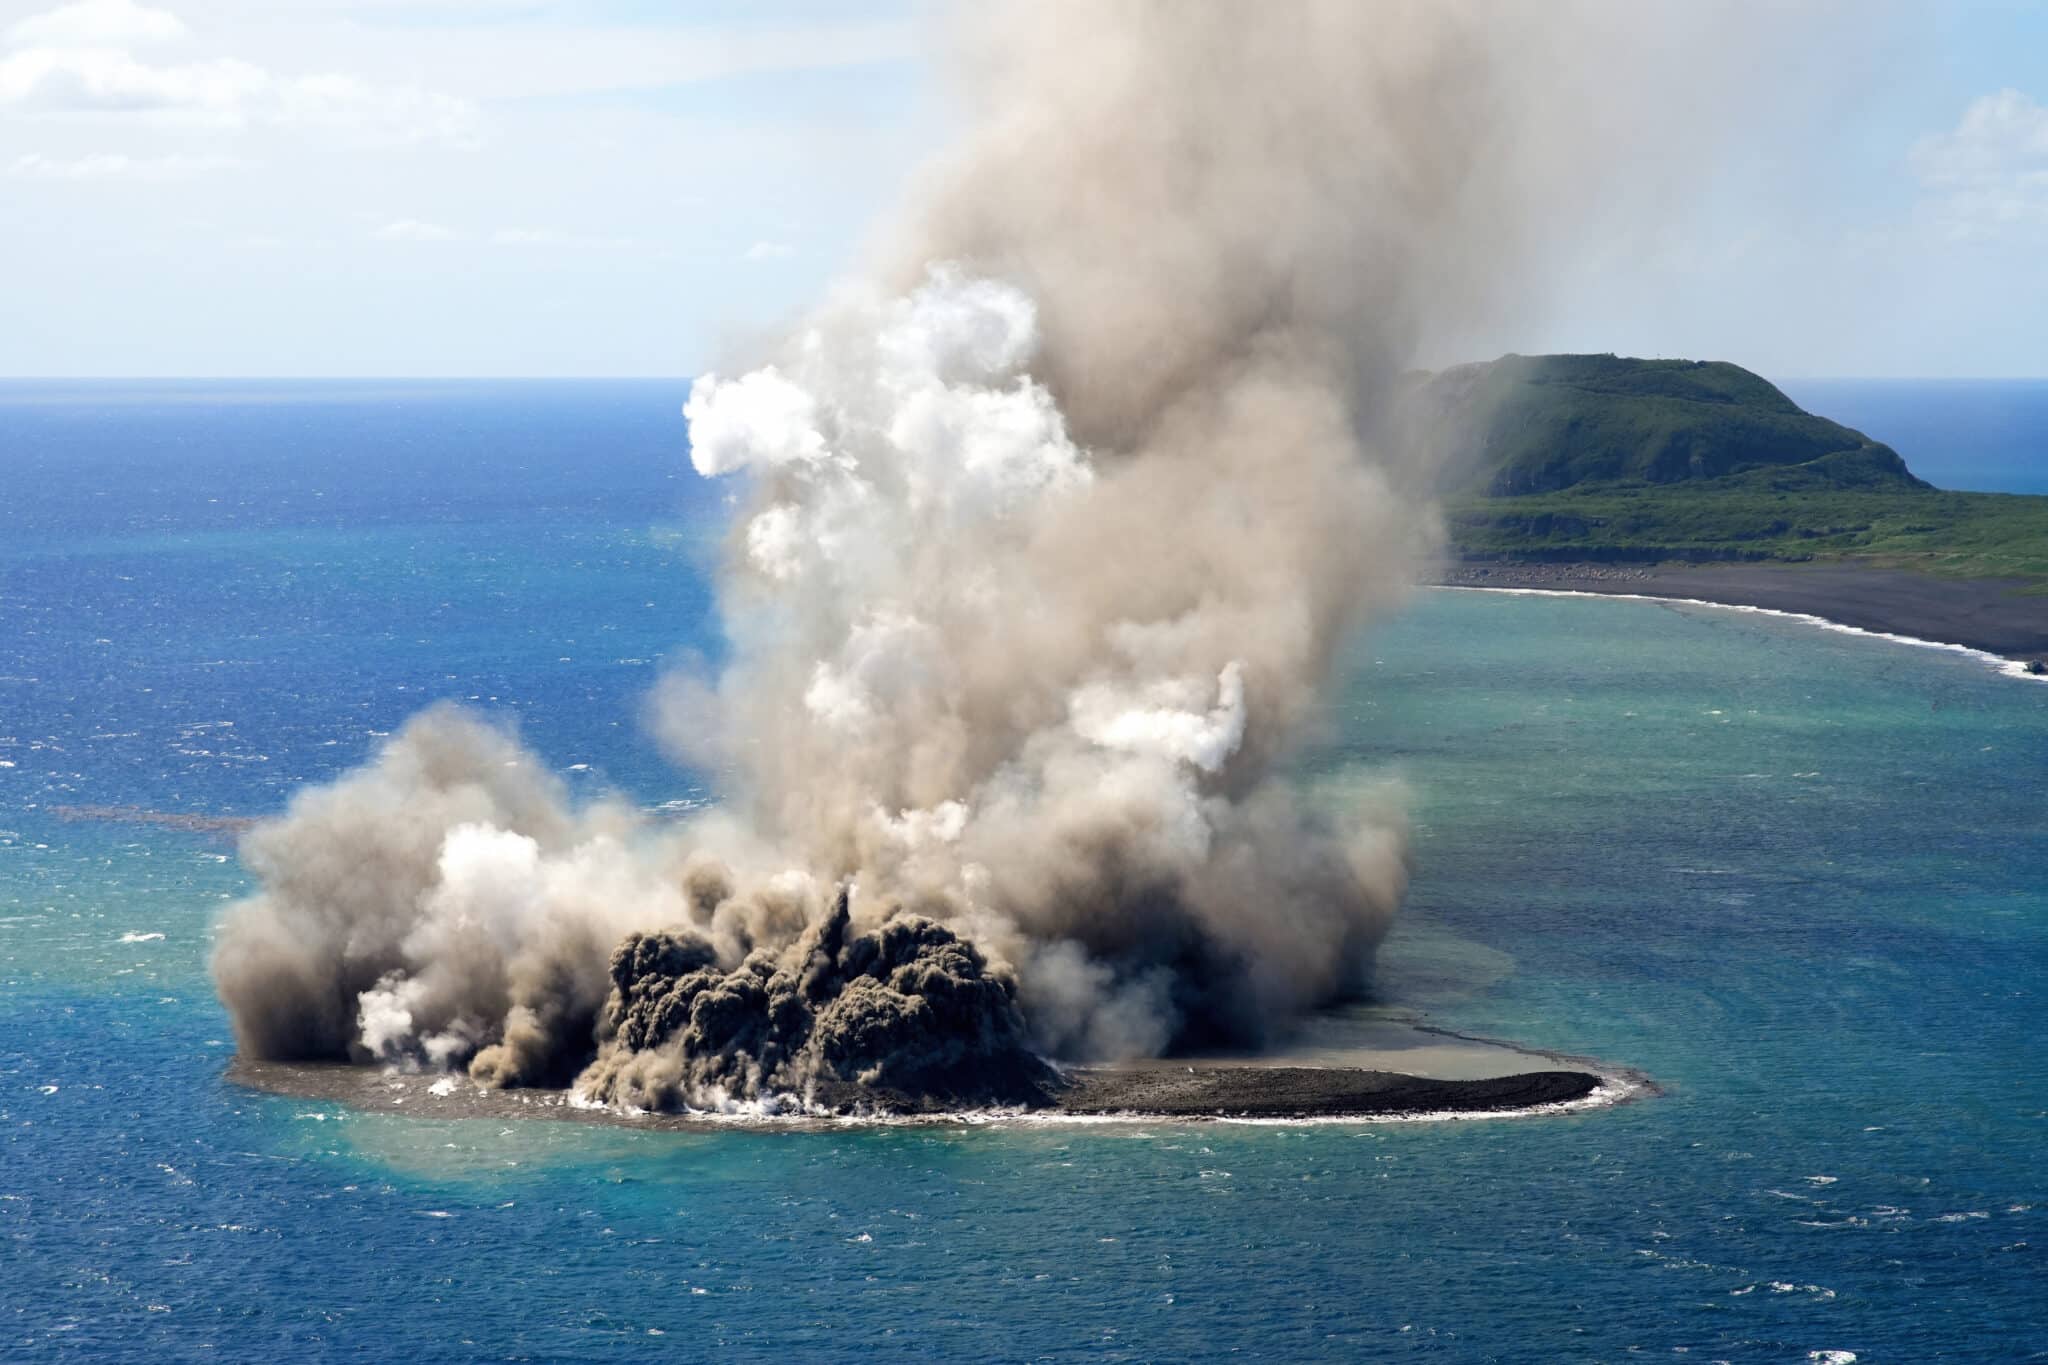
(1988, 176)
(768, 251)
(98, 23)
(548, 237)
(76, 60)
(414, 230)
(488, 61)
(107, 80)
(120, 166)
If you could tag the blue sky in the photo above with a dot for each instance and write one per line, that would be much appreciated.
(539, 187)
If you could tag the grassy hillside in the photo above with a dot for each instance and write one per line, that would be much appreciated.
(1975, 535)
(1525, 425)
(1606, 459)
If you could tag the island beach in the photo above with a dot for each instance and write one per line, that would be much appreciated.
(1996, 616)
(1153, 1092)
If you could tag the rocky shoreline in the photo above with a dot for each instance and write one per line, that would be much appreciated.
(1152, 1092)
(1996, 616)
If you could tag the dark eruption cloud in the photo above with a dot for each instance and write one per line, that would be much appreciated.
(1054, 522)
(905, 1014)
(443, 907)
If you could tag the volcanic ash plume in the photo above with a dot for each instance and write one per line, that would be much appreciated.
(1051, 529)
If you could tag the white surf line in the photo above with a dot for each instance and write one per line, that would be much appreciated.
(2011, 668)
(1611, 1091)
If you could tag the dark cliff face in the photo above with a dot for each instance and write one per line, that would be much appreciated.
(1537, 424)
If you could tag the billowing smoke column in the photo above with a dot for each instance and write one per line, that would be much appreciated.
(1053, 525)
(1035, 689)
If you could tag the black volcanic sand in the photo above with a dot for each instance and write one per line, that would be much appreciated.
(1990, 614)
(1203, 1092)
(1304, 1092)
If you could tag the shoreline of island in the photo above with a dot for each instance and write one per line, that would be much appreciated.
(1990, 618)
(1234, 1093)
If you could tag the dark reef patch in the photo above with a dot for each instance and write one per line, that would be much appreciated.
(193, 822)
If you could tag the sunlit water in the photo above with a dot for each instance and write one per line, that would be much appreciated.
(1799, 878)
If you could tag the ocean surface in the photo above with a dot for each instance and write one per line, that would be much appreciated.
(1799, 877)
(1985, 435)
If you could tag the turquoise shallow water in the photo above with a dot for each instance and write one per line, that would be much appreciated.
(1801, 878)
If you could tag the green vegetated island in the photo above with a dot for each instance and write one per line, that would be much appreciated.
(1682, 478)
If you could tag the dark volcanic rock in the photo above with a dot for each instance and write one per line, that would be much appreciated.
(905, 1016)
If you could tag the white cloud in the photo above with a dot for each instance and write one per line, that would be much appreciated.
(1988, 177)
(58, 79)
(98, 23)
(768, 251)
(92, 72)
(393, 113)
(517, 61)
(1168, 719)
(119, 166)
(759, 419)
(414, 230)
(1999, 135)
(549, 237)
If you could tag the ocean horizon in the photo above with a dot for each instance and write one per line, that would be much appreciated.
(1971, 435)
(1975, 435)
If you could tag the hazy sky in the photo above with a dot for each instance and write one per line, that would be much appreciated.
(613, 187)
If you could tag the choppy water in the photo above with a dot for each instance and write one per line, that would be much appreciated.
(1800, 878)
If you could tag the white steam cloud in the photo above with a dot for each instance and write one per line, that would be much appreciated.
(1054, 524)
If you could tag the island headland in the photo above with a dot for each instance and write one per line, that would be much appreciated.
(1700, 480)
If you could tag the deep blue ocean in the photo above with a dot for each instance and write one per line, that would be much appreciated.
(1799, 877)
(1986, 435)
